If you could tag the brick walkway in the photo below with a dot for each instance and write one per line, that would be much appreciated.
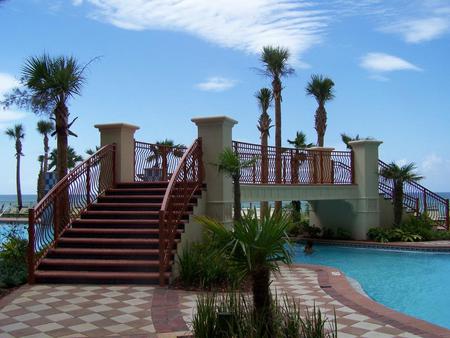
(143, 311)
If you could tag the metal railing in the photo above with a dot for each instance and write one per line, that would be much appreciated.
(185, 181)
(299, 166)
(417, 199)
(65, 202)
(155, 162)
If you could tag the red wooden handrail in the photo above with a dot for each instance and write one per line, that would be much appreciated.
(186, 180)
(65, 202)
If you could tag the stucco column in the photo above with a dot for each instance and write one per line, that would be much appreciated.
(321, 165)
(366, 207)
(122, 134)
(216, 134)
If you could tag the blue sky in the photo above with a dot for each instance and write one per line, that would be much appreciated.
(163, 62)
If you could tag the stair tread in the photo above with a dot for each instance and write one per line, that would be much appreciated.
(112, 251)
(115, 221)
(108, 240)
(111, 262)
(98, 274)
(124, 212)
(113, 231)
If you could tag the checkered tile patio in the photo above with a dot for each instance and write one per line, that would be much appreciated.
(143, 311)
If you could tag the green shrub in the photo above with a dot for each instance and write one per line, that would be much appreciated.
(384, 235)
(232, 315)
(328, 233)
(13, 260)
(310, 230)
(343, 234)
(198, 268)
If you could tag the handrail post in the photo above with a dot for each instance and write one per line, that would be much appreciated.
(425, 206)
(162, 239)
(56, 218)
(447, 220)
(134, 161)
(417, 206)
(164, 153)
(31, 244)
(352, 166)
(88, 182)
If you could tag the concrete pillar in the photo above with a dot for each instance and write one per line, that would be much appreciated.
(321, 165)
(122, 135)
(366, 207)
(216, 134)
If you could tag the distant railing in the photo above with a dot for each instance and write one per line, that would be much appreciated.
(155, 162)
(65, 202)
(185, 181)
(299, 166)
(417, 199)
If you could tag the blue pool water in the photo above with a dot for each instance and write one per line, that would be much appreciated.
(415, 283)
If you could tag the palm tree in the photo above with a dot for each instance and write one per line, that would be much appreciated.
(231, 164)
(17, 134)
(161, 150)
(72, 158)
(275, 61)
(264, 98)
(254, 247)
(322, 89)
(41, 178)
(299, 142)
(91, 152)
(44, 128)
(50, 82)
(399, 175)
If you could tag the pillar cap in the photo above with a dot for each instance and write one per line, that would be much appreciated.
(362, 142)
(118, 125)
(214, 120)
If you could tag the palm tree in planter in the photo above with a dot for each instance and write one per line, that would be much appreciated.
(17, 133)
(162, 150)
(254, 247)
(72, 158)
(299, 142)
(230, 163)
(264, 98)
(399, 175)
(45, 128)
(275, 62)
(322, 89)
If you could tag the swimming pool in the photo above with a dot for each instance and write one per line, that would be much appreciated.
(413, 282)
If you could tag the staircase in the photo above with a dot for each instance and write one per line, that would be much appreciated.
(116, 240)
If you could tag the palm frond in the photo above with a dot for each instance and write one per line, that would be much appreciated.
(321, 88)
(45, 127)
(275, 61)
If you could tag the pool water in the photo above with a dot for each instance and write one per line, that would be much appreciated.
(413, 282)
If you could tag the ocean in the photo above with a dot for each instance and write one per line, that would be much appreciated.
(11, 200)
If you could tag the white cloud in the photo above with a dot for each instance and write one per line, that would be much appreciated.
(420, 30)
(216, 84)
(7, 82)
(9, 116)
(77, 2)
(433, 162)
(382, 63)
(243, 25)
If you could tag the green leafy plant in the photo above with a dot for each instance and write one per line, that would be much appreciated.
(343, 234)
(328, 233)
(13, 259)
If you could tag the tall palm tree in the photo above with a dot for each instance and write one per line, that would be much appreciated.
(50, 83)
(44, 128)
(322, 89)
(299, 142)
(230, 163)
(72, 158)
(41, 178)
(264, 98)
(275, 62)
(17, 134)
(91, 151)
(162, 150)
(399, 175)
(254, 247)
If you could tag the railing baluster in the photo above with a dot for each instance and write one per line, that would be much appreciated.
(31, 246)
(88, 182)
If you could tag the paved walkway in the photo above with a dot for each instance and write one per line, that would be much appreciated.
(143, 311)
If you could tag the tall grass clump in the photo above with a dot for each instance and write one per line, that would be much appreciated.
(233, 315)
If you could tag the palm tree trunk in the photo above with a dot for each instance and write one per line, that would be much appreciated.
(261, 298)
(264, 206)
(398, 202)
(276, 84)
(19, 190)
(46, 150)
(237, 198)
(320, 124)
